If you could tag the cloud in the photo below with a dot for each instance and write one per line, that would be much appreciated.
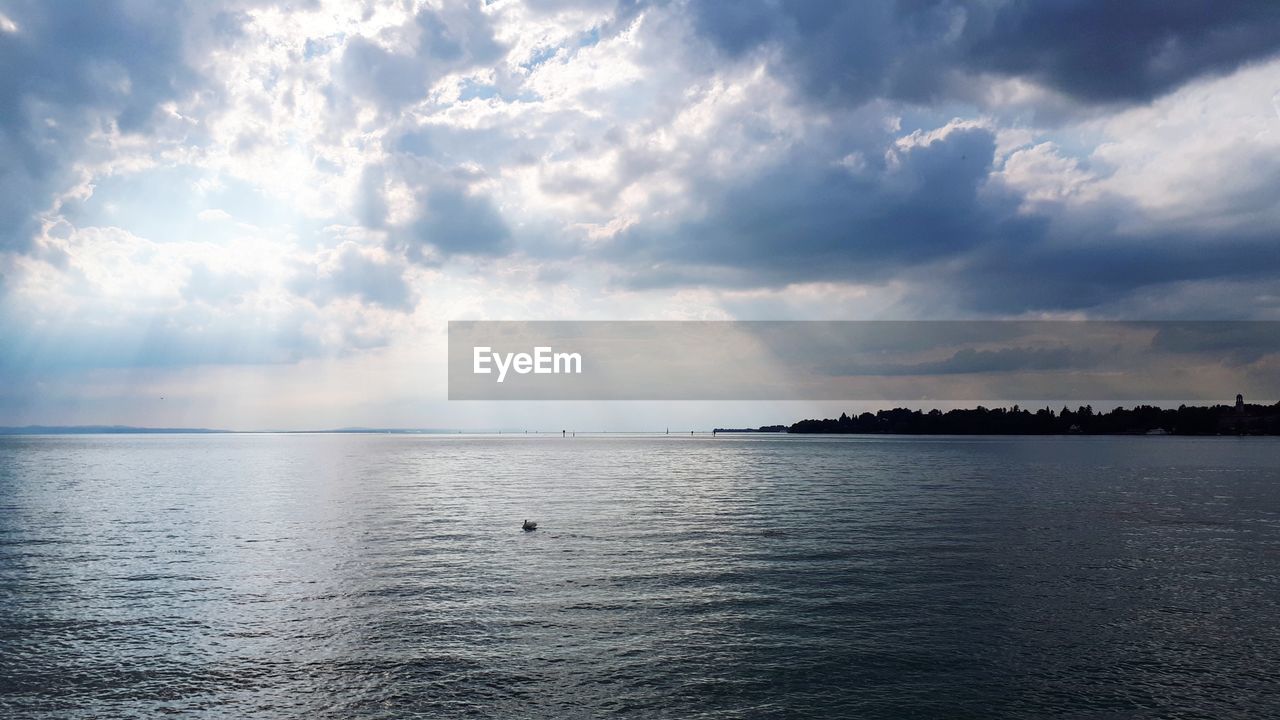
(213, 215)
(975, 361)
(350, 271)
(73, 71)
(112, 299)
(1094, 51)
(454, 221)
(1238, 342)
(267, 182)
(1100, 51)
(400, 65)
(1088, 271)
(217, 287)
(809, 219)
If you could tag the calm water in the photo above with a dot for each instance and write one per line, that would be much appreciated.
(387, 576)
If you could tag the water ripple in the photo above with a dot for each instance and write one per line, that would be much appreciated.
(388, 577)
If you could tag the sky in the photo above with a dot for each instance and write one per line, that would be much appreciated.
(244, 214)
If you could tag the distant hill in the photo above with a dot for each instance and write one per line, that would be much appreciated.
(100, 430)
(133, 430)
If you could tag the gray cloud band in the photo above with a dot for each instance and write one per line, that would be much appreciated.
(908, 361)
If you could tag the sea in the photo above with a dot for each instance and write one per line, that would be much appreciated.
(741, 576)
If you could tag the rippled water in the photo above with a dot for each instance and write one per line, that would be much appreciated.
(383, 576)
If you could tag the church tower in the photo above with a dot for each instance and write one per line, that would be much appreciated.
(1239, 404)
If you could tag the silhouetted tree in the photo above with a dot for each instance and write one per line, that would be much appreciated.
(1214, 420)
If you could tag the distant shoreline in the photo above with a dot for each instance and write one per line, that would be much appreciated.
(1238, 419)
(1214, 420)
(105, 430)
(135, 430)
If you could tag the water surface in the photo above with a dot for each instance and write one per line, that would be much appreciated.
(386, 576)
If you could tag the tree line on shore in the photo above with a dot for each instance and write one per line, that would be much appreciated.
(1143, 419)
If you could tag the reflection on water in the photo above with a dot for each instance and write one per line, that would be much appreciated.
(379, 576)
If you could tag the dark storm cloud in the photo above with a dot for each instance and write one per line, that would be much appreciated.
(1085, 271)
(1239, 343)
(972, 361)
(1092, 50)
(1102, 50)
(811, 219)
(935, 216)
(938, 218)
(880, 338)
(68, 69)
(930, 347)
